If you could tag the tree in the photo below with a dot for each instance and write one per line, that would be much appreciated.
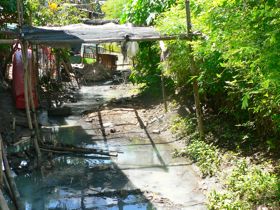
(54, 13)
(144, 12)
(113, 9)
(238, 58)
(8, 12)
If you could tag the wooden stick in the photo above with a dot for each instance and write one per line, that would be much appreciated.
(78, 150)
(11, 181)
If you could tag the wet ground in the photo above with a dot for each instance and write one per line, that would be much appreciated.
(143, 175)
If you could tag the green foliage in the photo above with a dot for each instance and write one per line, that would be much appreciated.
(113, 9)
(55, 13)
(237, 57)
(146, 69)
(9, 12)
(247, 187)
(183, 127)
(247, 65)
(88, 60)
(177, 63)
(205, 155)
(144, 12)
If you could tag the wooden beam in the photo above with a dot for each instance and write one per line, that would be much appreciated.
(8, 41)
(33, 40)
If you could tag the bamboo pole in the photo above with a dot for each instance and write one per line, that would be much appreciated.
(26, 75)
(37, 132)
(194, 71)
(1, 164)
(11, 181)
(24, 51)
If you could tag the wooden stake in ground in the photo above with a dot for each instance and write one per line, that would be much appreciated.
(194, 71)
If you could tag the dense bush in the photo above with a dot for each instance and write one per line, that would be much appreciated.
(237, 55)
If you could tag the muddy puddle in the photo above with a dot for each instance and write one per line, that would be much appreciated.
(144, 175)
(69, 182)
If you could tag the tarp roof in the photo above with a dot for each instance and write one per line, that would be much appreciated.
(82, 33)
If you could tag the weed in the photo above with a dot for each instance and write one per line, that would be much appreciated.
(205, 155)
(183, 127)
(247, 187)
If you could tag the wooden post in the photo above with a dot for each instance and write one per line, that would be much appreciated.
(194, 71)
(26, 76)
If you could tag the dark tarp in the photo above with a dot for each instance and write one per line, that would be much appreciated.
(82, 33)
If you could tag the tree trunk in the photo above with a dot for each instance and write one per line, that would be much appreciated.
(195, 72)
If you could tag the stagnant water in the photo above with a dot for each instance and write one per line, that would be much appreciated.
(80, 182)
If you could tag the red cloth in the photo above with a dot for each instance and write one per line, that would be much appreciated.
(18, 80)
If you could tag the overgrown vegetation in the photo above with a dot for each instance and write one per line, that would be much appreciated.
(247, 185)
(237, 57)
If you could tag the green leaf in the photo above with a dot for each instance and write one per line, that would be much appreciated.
(245, 100)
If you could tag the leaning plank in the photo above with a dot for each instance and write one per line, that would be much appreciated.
(79, 150)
